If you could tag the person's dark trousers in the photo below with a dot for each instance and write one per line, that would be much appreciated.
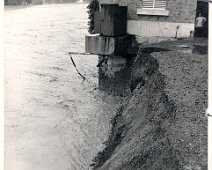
(199, 32)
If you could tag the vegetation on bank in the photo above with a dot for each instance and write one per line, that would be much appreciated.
(93, 7)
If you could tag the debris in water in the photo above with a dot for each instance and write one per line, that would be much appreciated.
(100, 63)
(76, 66)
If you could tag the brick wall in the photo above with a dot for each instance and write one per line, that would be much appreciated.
(180, 11)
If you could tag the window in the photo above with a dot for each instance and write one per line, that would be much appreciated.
(154, 4)
(154, 8)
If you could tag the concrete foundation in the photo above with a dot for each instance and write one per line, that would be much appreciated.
(101, 45)
(115, 75)
(160, 29)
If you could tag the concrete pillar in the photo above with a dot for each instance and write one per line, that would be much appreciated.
(115, 75)
(101, 45)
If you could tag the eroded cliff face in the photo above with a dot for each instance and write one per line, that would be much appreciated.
(162, 125)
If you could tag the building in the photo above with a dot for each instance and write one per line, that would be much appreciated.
(148, 21)
(161, 18)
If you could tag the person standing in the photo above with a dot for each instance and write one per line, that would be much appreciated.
(200, 20)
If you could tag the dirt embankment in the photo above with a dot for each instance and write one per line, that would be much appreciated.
(162, 125)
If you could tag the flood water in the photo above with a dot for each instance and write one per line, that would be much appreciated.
(53, 119)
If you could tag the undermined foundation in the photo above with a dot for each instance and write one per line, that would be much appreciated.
(162, 124)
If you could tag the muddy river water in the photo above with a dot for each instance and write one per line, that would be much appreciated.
(53, 119)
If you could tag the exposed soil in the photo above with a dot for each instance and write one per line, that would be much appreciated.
(162, 125)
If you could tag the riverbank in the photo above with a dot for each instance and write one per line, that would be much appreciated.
(163, 124)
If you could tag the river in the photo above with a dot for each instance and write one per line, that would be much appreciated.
(53, 119)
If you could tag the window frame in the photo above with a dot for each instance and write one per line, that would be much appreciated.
(154, 5)
(153, 11)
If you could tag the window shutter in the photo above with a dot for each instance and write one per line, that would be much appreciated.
(148, 3)
(157, 4)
